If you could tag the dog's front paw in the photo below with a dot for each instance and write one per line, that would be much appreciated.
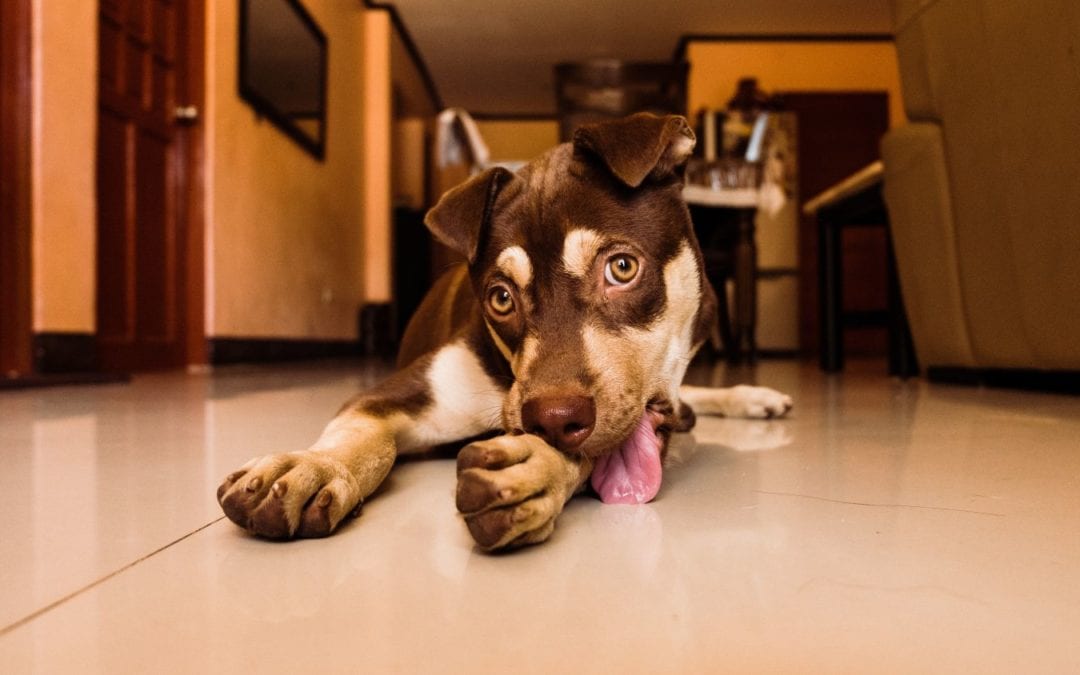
(512, 488)
(756, 402)
(740, 401)
(293, 494)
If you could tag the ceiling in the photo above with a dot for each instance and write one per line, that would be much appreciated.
(496, 56)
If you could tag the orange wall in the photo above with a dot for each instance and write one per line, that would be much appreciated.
(285, 233)
(376, 136)
(63, 138)
(516, 140)
(715, 67)
(284, 230)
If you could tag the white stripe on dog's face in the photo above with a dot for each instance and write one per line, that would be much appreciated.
(579, 250)
(503, 348)
(682, 279)
(521, 365)
(526, 356)
(514, 262)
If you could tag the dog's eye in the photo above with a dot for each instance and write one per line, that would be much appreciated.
(501, 300)
(621, 269)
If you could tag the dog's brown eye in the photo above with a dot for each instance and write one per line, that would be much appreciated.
(621, 270)
(501, 300)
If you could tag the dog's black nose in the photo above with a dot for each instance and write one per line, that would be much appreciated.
(563, 421)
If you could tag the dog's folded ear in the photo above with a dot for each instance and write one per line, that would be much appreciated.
(461, 216)
(638, 147)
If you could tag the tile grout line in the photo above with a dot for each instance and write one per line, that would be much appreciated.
(876, 505)
(72, 595)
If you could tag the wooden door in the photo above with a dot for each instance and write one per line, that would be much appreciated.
(144, 247)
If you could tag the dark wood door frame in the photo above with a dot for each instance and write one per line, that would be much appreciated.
(192, 87)
(15, 191)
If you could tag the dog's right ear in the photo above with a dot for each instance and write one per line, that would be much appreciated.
(638, 147)
(460, 218)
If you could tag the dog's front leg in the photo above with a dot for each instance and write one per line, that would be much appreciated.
(511, 489)
(443, 397)
(307, 493)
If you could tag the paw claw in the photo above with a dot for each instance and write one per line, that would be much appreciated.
(523, 513)
(324, 500)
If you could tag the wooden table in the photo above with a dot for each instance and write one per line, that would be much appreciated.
(713, 212)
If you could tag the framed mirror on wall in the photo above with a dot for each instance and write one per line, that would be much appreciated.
(283, 61)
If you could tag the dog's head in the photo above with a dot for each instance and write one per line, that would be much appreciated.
(590, 281)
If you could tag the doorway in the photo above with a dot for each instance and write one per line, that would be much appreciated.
(838, 134)
(149, 206)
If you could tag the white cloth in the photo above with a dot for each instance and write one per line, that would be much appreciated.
(452, 148)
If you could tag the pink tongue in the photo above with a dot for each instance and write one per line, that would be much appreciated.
(631, 474)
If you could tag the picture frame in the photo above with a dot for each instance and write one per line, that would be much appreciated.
(283, 58)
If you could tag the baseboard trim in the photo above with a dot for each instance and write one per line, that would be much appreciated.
(223, 351)
(1029, 379)
(63, 380)
(57, 353)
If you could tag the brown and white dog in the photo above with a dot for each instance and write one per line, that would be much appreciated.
(568, 333)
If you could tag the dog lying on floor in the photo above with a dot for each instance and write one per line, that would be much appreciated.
(569, 331)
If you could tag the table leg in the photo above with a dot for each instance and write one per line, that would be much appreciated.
(830, 280)
(745, 289)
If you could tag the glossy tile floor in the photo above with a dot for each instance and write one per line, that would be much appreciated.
(885, 527)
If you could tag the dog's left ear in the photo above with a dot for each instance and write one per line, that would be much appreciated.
(638, 147)
(461, 216)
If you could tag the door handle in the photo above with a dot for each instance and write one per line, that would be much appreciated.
(186, 114)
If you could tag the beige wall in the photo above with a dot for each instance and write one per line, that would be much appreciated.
(64, 132)
(715, 67)
(285, 231)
